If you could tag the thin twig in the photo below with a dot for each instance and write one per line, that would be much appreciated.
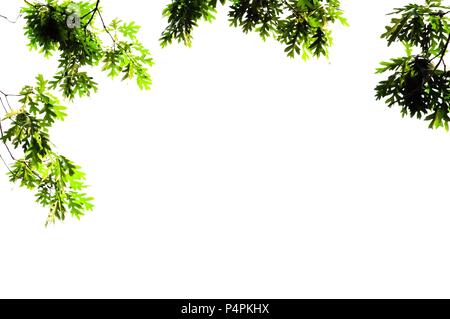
(9, 20)
(8, 94)
(93, 14)
(442, 54)
(294, 10)
(106, 28)
(6, 164)
(3, 104)
(4, 143)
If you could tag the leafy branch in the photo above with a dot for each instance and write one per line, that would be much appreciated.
(302, 26)
(67, 29)
(417, 84)
(57, 182)
(78, 46)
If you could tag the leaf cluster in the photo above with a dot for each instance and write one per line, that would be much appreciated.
(56, 180)
(419, 81)
(77, 33)
(302, 26)
(48, 30)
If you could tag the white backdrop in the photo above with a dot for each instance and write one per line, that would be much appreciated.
(242, 173)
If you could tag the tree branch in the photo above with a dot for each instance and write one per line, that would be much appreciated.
(94, 11)
(9, 20)
(4, 143)
(442, 54)
(6, 164)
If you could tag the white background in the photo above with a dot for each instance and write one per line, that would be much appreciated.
(242, 173)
